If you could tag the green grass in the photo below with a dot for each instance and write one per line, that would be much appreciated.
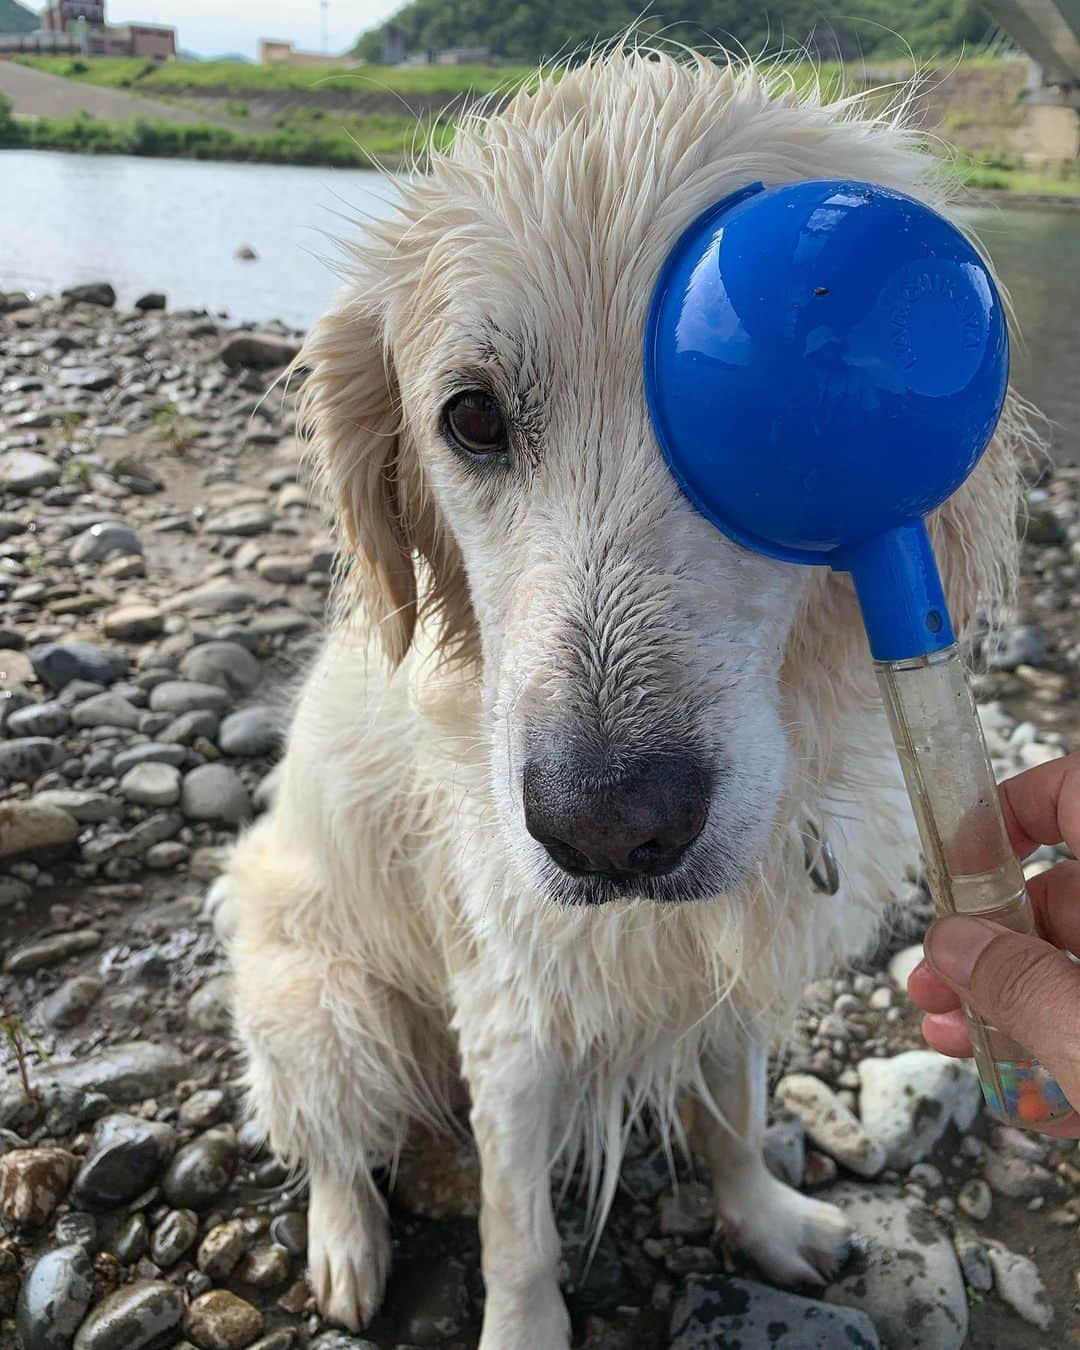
(177, 77)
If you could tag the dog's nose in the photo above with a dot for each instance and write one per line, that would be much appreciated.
(638, 820)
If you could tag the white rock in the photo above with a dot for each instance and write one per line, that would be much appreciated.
(829, 1123)
(151, 784)
(903, 963)
(908, 1101)
(1019, 1284)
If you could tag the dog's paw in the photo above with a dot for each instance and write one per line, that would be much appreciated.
(795, 1240)
(348, 1254)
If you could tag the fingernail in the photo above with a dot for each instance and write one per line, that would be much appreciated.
(955, 943)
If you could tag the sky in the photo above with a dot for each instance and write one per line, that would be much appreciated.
(213, 27)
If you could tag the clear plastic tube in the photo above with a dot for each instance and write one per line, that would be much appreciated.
(970, 865)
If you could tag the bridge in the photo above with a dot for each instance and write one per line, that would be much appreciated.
(1049, 32)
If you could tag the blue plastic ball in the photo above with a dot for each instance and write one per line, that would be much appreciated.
(824, 362)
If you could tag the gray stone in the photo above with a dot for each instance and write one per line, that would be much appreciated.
(25, 470)
(283, 569)
(185, 696)
(57, 664)
(341, 1340)
(974, 1262)
(68, 1005)
(715, 1311)
(1018, 1178)
(38, 719)
(201, 1170)
(907, 1102)
(139, 1316)
(904, 1274)
(216, 597)
(26, 827)
(219, 1320)
(152, 752)
(190, 727)
(975, 1199)
(28, 757)
(785, 1150)
(687, 1211)
(173, 1237)
(252, 732)
(126, 1155)
(54, 1298)
(151, 784)
(241, 520)
(151, 300)
(215, 792)
(124, 1073)
(91, 293)
(106, 710)
(50, 951)
(87, 807)
(1019, 1284)
(203, 1108)
(290, 1231)
(104, 540)
(1024, 645)
(132, 1240)
(134, 623)
(829, 1123)
(227, 664)
(14, 892)
(257, 349)
(91, 378)
(209, 1008)
(77, 1226)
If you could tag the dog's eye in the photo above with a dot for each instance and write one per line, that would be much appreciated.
(474, 422)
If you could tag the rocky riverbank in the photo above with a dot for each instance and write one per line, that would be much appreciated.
(162, 570)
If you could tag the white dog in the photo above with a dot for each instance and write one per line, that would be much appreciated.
(541, 825)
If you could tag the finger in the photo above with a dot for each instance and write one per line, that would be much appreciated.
(948, 1034)
(1042, 806)
(1021, 984)
(1056, 897)
(929, 991)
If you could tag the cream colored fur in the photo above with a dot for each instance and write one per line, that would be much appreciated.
(391, 923)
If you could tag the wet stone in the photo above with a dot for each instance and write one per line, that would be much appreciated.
(54, 1298)
(221, 1249)
(687, 1212)
(125, 1156)
(290, 1231)
(67, 1005)
(203, 1108)
(75, 1226)
(139, 1316)
(209, 1007)
(33, 1181)
(202, 1169)
(220, 1320)
(264, 1267)
(174, 1236)
(132, 1240)
(50, 951)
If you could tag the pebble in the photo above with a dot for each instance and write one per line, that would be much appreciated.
(38, 719)
(140, 1316)
(106, 710)
(184, 696)
(132, 1240)
(687, 1212)
(1018, 1283)
(23, 471)
(264, 1267)
(830, 1124)
(256, 349)
(134, 623)
(715, 1311)
(202, 1169)
(76, 1226)
(203, 1108)
(152, 752)
(252, 731)
(220, 1320)
(27, 758)
(50, 951)
(1024, 645)
(33, 1181)
(151, 784)
(128, 1072)
(785, 1150)
(905, 1274)
(104, 540)
(68, 1004)
(29, 826)
(173, 1237)
(1016, 1177)
(215, 792)
(903, 963)
(226, 664)
(908, 1101)
(88, 808)
(209, 1008)
(290, 1231)
(125, 1156)
(974, 1262)
(54, 1298)
(975, 1199)
(58, 664)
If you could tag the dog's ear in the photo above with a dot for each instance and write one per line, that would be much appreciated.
(402, 564)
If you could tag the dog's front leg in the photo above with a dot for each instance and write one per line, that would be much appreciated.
(514, 1090)
(793, 1239)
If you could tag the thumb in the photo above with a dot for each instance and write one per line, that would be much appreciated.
(1021, 984)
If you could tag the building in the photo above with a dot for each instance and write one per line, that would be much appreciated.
(273, 52)
(83, 21)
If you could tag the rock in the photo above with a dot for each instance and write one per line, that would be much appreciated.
(830, 1124)
(39, 719)
(50, 951)
(33, 1181)
(252, 732)
(14, 892)
(28, 757)
(261, 350)
(785, 1150)
(125, 1156)
(340, 1340)
(209, 1008)
(221, 1321)
(1024, 645)
(54, 1298)
(139, 1316)
(203, 1108)
(283, 569)
(91, 378)
(1018, 1178)
(221, 1249)
(201, 1170)
(190, 727)
(227, 664)
(132, 1240)
(104, 540)
(907, 1102)
(88, 808)
(975, 1199)
(57, 664)
(183, 696)
(439, 1304)
(1019, 1284)
(215, 597)
(215, 792)
(134, 623)
(124, 1073)
(25, 470)
(290, 1231)
(151, 300)
(68, 1005)
(715, 1311)
(974, 1262)
(152, 752)
(173, 1237)
(151, 784)
(26, 826)
(904, 1273)
(106, 710)
(264, 1267)
(687, 1211)
(10, 301)
(79, 1227)
(92, 293)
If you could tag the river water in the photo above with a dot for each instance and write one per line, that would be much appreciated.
(175, 226)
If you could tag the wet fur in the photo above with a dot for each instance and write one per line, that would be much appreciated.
(391, 924)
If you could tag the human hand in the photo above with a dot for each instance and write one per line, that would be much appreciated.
(1025, 986)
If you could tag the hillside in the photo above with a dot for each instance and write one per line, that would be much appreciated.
(513, 31)
(15, 18)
